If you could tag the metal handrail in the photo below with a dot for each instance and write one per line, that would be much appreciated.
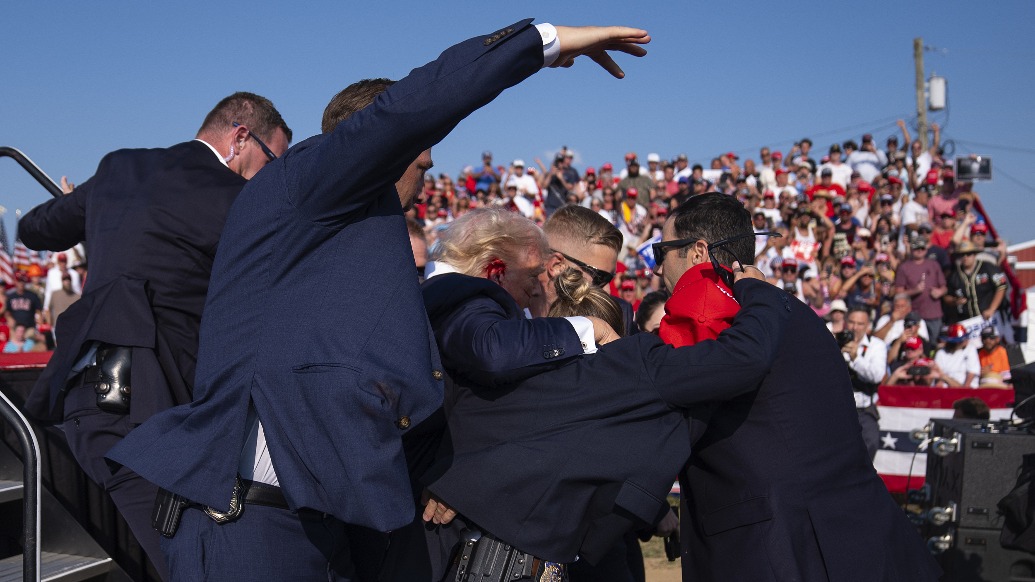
(31, 486)
(33, 170)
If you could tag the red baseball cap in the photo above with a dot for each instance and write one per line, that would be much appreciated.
(628, 284)
(777, 155)
(979, 227)
(607, 166)
(591, 171)
(914, 343)
(632, 192)
(732, 156)
(788, 263)
(848, 261)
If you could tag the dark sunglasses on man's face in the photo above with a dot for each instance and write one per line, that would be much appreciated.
(265, 149)
(598, 277)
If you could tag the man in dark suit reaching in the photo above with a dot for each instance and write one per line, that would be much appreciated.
(780, 486)
(128, 348)
(292, 454)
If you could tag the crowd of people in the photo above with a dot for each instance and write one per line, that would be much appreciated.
(885, 232)
(348, 455)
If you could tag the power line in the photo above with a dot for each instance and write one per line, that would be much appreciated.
(875, 126)
(997, 147)
(1022, 184)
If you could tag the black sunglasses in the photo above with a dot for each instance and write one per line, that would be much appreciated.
(599, 278)
(661, 248)
(265, 149)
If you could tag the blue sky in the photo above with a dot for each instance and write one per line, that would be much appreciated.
(79, 79)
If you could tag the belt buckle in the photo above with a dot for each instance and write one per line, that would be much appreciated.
(236, 505)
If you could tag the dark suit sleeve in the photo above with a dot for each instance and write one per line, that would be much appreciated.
(370, 150)
(733, 364)
(479, 340)
(60, 223)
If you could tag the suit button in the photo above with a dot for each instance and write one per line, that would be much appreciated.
(436, 374)
(554, 353)
(403, 422)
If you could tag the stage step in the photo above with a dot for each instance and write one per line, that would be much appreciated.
(56, 567)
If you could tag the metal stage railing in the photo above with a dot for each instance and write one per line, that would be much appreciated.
(31, 484)
(32, 169)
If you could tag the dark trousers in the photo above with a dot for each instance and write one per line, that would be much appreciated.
(91, 433)
(268, 543)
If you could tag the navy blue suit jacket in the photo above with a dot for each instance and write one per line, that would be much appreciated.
(152, 219)
(565, 461)
(780, 486)
(314, 315)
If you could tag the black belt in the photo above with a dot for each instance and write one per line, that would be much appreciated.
(169, 507)
(256, 493)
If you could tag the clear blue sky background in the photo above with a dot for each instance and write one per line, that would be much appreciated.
(79, 79)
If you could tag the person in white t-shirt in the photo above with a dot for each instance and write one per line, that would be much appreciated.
(526, 184)
(840, 172)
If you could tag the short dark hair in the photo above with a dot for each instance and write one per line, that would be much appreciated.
(713, 217)
(971, 408)
(352, 99)
(860, 309)
(254, 111)
(648, 304)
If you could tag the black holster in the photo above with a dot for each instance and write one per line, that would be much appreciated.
(110, 378)
(484, 558)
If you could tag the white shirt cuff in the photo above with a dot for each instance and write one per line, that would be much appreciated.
(551, 46)
(584, 327)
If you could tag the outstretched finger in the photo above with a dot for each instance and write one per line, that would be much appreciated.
(626, 34)
(627, 48)
(604, 60)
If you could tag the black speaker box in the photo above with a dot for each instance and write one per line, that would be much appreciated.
(979, 467)
(976, 556)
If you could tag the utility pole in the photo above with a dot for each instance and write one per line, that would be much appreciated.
(921, 101)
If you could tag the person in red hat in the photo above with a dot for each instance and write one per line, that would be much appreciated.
(958, 361)
(944, 229)
(912, 368)
(628, 293)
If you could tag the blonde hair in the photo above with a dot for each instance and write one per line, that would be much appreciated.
(577, 296)
(480, 236)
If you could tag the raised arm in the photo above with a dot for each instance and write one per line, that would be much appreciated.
(368, 152)
(60, 223)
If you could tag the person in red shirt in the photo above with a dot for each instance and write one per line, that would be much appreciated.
(942, 235)
(629, 293)
(828, 189)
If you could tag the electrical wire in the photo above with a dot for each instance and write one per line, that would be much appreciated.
(875, 126)
(993, 146)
